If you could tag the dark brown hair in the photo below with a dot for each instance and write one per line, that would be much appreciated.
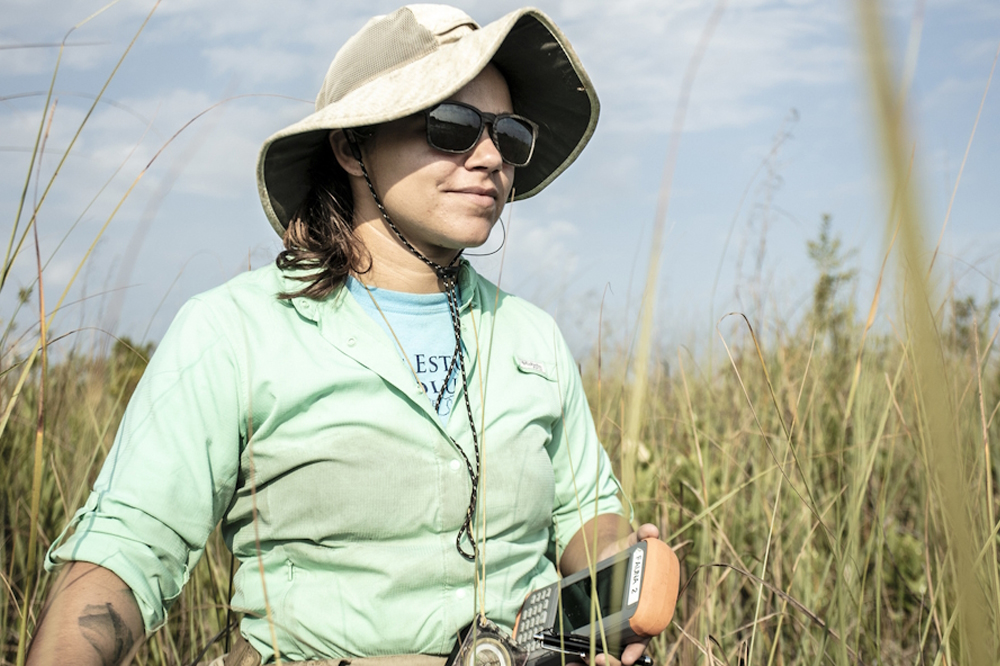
(320, 240)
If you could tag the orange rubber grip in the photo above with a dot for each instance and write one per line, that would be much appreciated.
(661, 580)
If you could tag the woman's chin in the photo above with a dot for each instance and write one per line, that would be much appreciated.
(474, 235)
(444, 254)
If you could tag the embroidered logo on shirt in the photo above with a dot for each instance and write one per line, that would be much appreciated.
(531, 366)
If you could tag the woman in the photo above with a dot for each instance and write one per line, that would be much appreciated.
(308, 405)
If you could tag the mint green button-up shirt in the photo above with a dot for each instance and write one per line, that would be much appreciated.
(360, 492)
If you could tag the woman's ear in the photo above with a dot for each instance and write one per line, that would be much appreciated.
(344, 151)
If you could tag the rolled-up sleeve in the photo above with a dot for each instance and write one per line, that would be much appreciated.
(585, 485)
(172, 470)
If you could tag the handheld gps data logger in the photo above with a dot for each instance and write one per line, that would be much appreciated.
(636, 591)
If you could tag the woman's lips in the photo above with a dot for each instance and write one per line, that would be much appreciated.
(481, 196)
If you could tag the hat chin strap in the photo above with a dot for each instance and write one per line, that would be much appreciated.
(449, 276)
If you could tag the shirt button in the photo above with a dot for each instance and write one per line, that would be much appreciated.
(455, 465)
(460, 594)
(351, 342)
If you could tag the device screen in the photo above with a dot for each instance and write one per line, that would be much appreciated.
(576, 597)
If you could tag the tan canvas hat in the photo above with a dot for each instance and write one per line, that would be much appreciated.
(419, 55)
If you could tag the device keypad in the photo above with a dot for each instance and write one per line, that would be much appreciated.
(534, 614)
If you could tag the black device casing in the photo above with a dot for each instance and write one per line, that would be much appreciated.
(540, 610)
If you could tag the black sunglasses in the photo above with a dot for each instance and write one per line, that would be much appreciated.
(454, 127)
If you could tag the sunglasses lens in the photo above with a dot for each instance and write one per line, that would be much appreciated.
(453, 128)
(515, 139)
(456, 128)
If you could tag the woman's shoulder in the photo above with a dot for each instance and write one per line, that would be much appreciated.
(256, 291)
(519, 323)
(507, 305)
(260, 283)
(250, 296)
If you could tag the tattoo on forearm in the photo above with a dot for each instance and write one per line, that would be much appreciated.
(106, 631)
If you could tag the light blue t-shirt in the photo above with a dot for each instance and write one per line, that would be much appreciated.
(420, 327)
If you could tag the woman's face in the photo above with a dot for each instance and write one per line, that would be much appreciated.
(442, 202)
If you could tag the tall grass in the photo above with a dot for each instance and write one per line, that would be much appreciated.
(831, 489)
(809, 536)
(815, 538)
(85, 396)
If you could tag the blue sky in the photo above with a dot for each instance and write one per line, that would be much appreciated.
(778, 120)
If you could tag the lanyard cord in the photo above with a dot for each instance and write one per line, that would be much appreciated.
(449, 276)
(473, 474)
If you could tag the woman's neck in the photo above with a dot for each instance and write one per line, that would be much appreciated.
(393, 266)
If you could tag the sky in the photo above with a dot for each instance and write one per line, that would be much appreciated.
(777, 134)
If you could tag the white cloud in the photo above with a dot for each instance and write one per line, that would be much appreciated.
(756, 49)
(253, 65)
(538, 252)
(636, 50)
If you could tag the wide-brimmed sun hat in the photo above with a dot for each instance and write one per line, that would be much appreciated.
(419, 55)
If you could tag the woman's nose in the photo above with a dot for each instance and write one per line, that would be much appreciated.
(485, 154)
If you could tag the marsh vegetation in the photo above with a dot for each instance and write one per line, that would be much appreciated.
(829, 483)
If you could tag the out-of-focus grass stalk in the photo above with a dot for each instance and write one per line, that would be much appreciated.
(36, 475)
(10, 261)
(35, 153)
(965, 158)
(12, 253)
(991, 520)
(873, 310)
(704, 554)
(945, 475)
(639, 388)
(7, 262)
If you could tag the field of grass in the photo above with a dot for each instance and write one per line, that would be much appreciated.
(812, 526)
(811, 523)
(829, 485)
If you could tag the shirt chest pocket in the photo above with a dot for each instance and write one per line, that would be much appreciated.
(517, 467)
(532, 387)
(525, 400)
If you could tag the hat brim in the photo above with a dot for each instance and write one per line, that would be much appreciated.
(547, 84)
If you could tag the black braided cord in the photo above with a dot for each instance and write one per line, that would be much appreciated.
(449, 276)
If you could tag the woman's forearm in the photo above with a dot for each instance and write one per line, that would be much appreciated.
(91, 618)
(608, 529)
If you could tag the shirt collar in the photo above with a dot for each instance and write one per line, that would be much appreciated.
(311, 308)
